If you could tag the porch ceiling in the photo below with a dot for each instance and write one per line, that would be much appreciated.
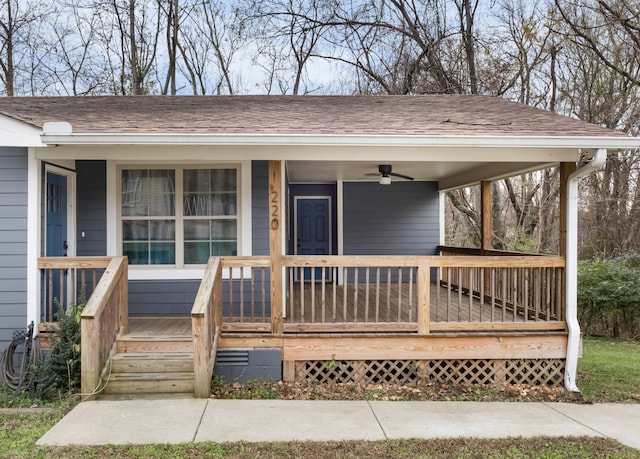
(448, 174)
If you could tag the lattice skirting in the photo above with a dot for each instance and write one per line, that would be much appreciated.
(472, 371)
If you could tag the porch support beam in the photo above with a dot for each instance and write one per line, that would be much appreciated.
(424, 296)
(275, 244)
(485, 215)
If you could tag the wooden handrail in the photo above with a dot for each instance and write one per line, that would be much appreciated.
(74, 262)
(104, 317)
(340, 261)
(515, 261)
(206, 322)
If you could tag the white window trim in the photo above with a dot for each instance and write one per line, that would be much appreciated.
(158, 272)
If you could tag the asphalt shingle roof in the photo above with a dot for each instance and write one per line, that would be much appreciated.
(445, 115)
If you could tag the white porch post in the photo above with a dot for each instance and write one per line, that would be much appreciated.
(33, 238)
(571, 270)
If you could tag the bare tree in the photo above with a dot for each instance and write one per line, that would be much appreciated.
(210, 36)
(601, 26)
(129, 36)
(16, 19)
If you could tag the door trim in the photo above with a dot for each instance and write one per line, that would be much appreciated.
(295, 220)
(71, 208)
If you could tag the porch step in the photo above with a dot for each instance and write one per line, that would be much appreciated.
(155, 344)
(150, 383)
(152, 362)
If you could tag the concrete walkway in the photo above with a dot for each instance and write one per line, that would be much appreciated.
(179, 420)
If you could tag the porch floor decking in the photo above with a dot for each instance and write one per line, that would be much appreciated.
(148, 327)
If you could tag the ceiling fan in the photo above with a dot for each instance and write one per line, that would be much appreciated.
(385, 173)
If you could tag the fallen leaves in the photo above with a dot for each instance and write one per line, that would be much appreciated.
(430, 390)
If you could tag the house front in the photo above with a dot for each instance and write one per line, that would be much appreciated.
(286, 237)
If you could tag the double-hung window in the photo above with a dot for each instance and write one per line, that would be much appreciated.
(178, 216)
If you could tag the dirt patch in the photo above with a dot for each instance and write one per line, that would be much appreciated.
(402, 392)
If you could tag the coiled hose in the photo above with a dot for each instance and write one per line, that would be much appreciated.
(14, 376)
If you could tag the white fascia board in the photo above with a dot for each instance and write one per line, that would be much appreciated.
(380, 154)
(14, 133)
(613, 142)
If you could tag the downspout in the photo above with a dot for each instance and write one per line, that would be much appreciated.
(571, 268)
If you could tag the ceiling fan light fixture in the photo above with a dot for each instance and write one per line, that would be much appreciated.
(384, 180)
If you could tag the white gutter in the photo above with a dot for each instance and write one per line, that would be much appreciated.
(571, 268)
(58, 136)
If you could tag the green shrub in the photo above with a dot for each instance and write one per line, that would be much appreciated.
(609, 297)
(59, 373)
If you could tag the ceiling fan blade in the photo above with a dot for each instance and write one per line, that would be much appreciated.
(406, 177)
(372, 174)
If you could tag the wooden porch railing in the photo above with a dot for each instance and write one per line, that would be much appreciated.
(67, 281)
(358, 294)
(246, 294)
(497, 292)
(104, 317)
(206, 320)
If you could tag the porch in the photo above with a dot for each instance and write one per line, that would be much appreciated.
(456, 317)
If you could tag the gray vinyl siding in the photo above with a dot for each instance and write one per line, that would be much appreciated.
(397, 219)
(13, 242)
(260, 207)
(162, 298)
(91, 177)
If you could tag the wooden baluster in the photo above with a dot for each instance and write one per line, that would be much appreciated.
(50, 295)
(323, 284)
(505, 276)
(493, 294)
(345, 283)
(62, 298)
(366, 294)
(83, 285)
(470, 277)
(537, 273)
(241, 283)
(292, 310)
(514, 292)
(411, 268)
(547, 292)
(389, 293)
(525, 292)
(301, 281)
(377, 294)
(231, 305)
(334, 281)
(313, 294)
(460, 278)
(356, 273)
(481, 279)
(448, 294)
(252, 272)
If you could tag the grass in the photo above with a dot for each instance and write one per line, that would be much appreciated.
(609, 370)
(18, 435)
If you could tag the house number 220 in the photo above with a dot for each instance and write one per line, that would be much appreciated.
(275, 210)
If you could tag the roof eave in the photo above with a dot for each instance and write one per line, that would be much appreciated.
(360, 140)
